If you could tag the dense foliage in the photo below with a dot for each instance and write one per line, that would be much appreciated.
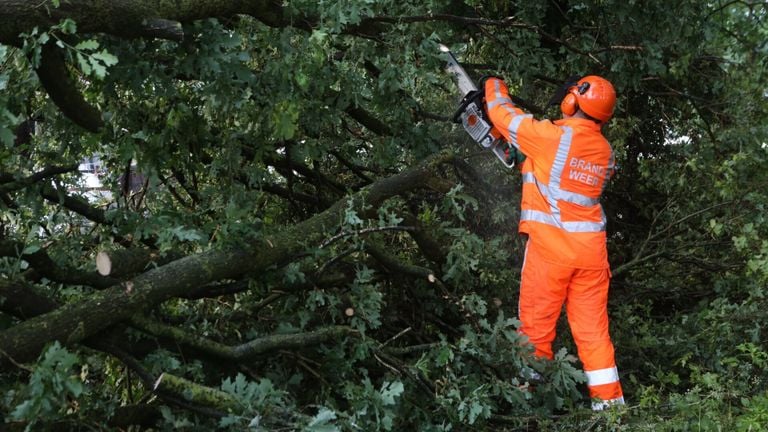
(301, 239)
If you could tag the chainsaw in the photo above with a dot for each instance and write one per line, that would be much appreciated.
(473, 118)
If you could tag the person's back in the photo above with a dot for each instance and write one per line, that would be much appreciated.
(562, 185)
(568, 163)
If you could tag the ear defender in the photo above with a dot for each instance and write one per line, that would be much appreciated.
(570, 104)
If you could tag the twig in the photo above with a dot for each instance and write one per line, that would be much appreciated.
(621, 48)
(404, 331)
(411, 349)
(365, 231)
(15, 363)
(388, 366)
(352, 167)
(327, 264)
(505, 22)
(692, 215)
(302, 361)
(275, 295)
(172, 190)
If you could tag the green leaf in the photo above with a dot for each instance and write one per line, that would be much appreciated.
(97, 68)
(475, 410)
(285, 117)
(229, 420)
(105, 57)
(84, 64)
(88, 45)
(322, 422)
(391, 390)
(68, 26)
(6, 136)
(350, 215)
(30, 249)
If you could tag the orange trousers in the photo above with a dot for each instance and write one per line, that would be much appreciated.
(544, 288)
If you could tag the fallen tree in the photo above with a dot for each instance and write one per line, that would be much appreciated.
(284, 218)
(75, 322)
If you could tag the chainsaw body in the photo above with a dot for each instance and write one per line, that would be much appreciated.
(472, 116)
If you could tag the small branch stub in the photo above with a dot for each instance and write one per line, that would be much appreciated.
(349, 312)
(103, 263)
(157, 383)
(121, 263)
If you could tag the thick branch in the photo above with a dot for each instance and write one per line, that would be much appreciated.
(75, 204)
(56, 80)
(197, 394)
(149, 381)
(76, 321)
(123, 262)
(352, 167)
(287, 164)
(23, 300)
(290, 194)
(244, 351)
(368, 120)
(47, 172)
(428, 246)
(396, 266)
(44, 265)
(130, 18)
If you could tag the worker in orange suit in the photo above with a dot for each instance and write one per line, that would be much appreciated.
(568, 163)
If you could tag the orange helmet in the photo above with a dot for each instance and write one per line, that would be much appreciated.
(594, 95)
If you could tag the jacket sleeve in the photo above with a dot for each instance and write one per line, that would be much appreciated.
(528, 135)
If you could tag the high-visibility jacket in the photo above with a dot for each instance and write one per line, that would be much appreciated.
(568, 163)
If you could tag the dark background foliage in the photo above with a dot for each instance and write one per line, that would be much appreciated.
(301, 239)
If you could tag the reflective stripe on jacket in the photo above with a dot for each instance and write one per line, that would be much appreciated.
(568, 165)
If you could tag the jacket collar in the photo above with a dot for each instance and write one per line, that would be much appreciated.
(578, 122)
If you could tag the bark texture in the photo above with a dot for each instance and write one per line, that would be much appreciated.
(197, 394)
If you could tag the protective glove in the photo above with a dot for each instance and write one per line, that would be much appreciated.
(484, 78)
(514, 156)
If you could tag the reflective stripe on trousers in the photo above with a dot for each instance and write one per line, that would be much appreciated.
(602, 376)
